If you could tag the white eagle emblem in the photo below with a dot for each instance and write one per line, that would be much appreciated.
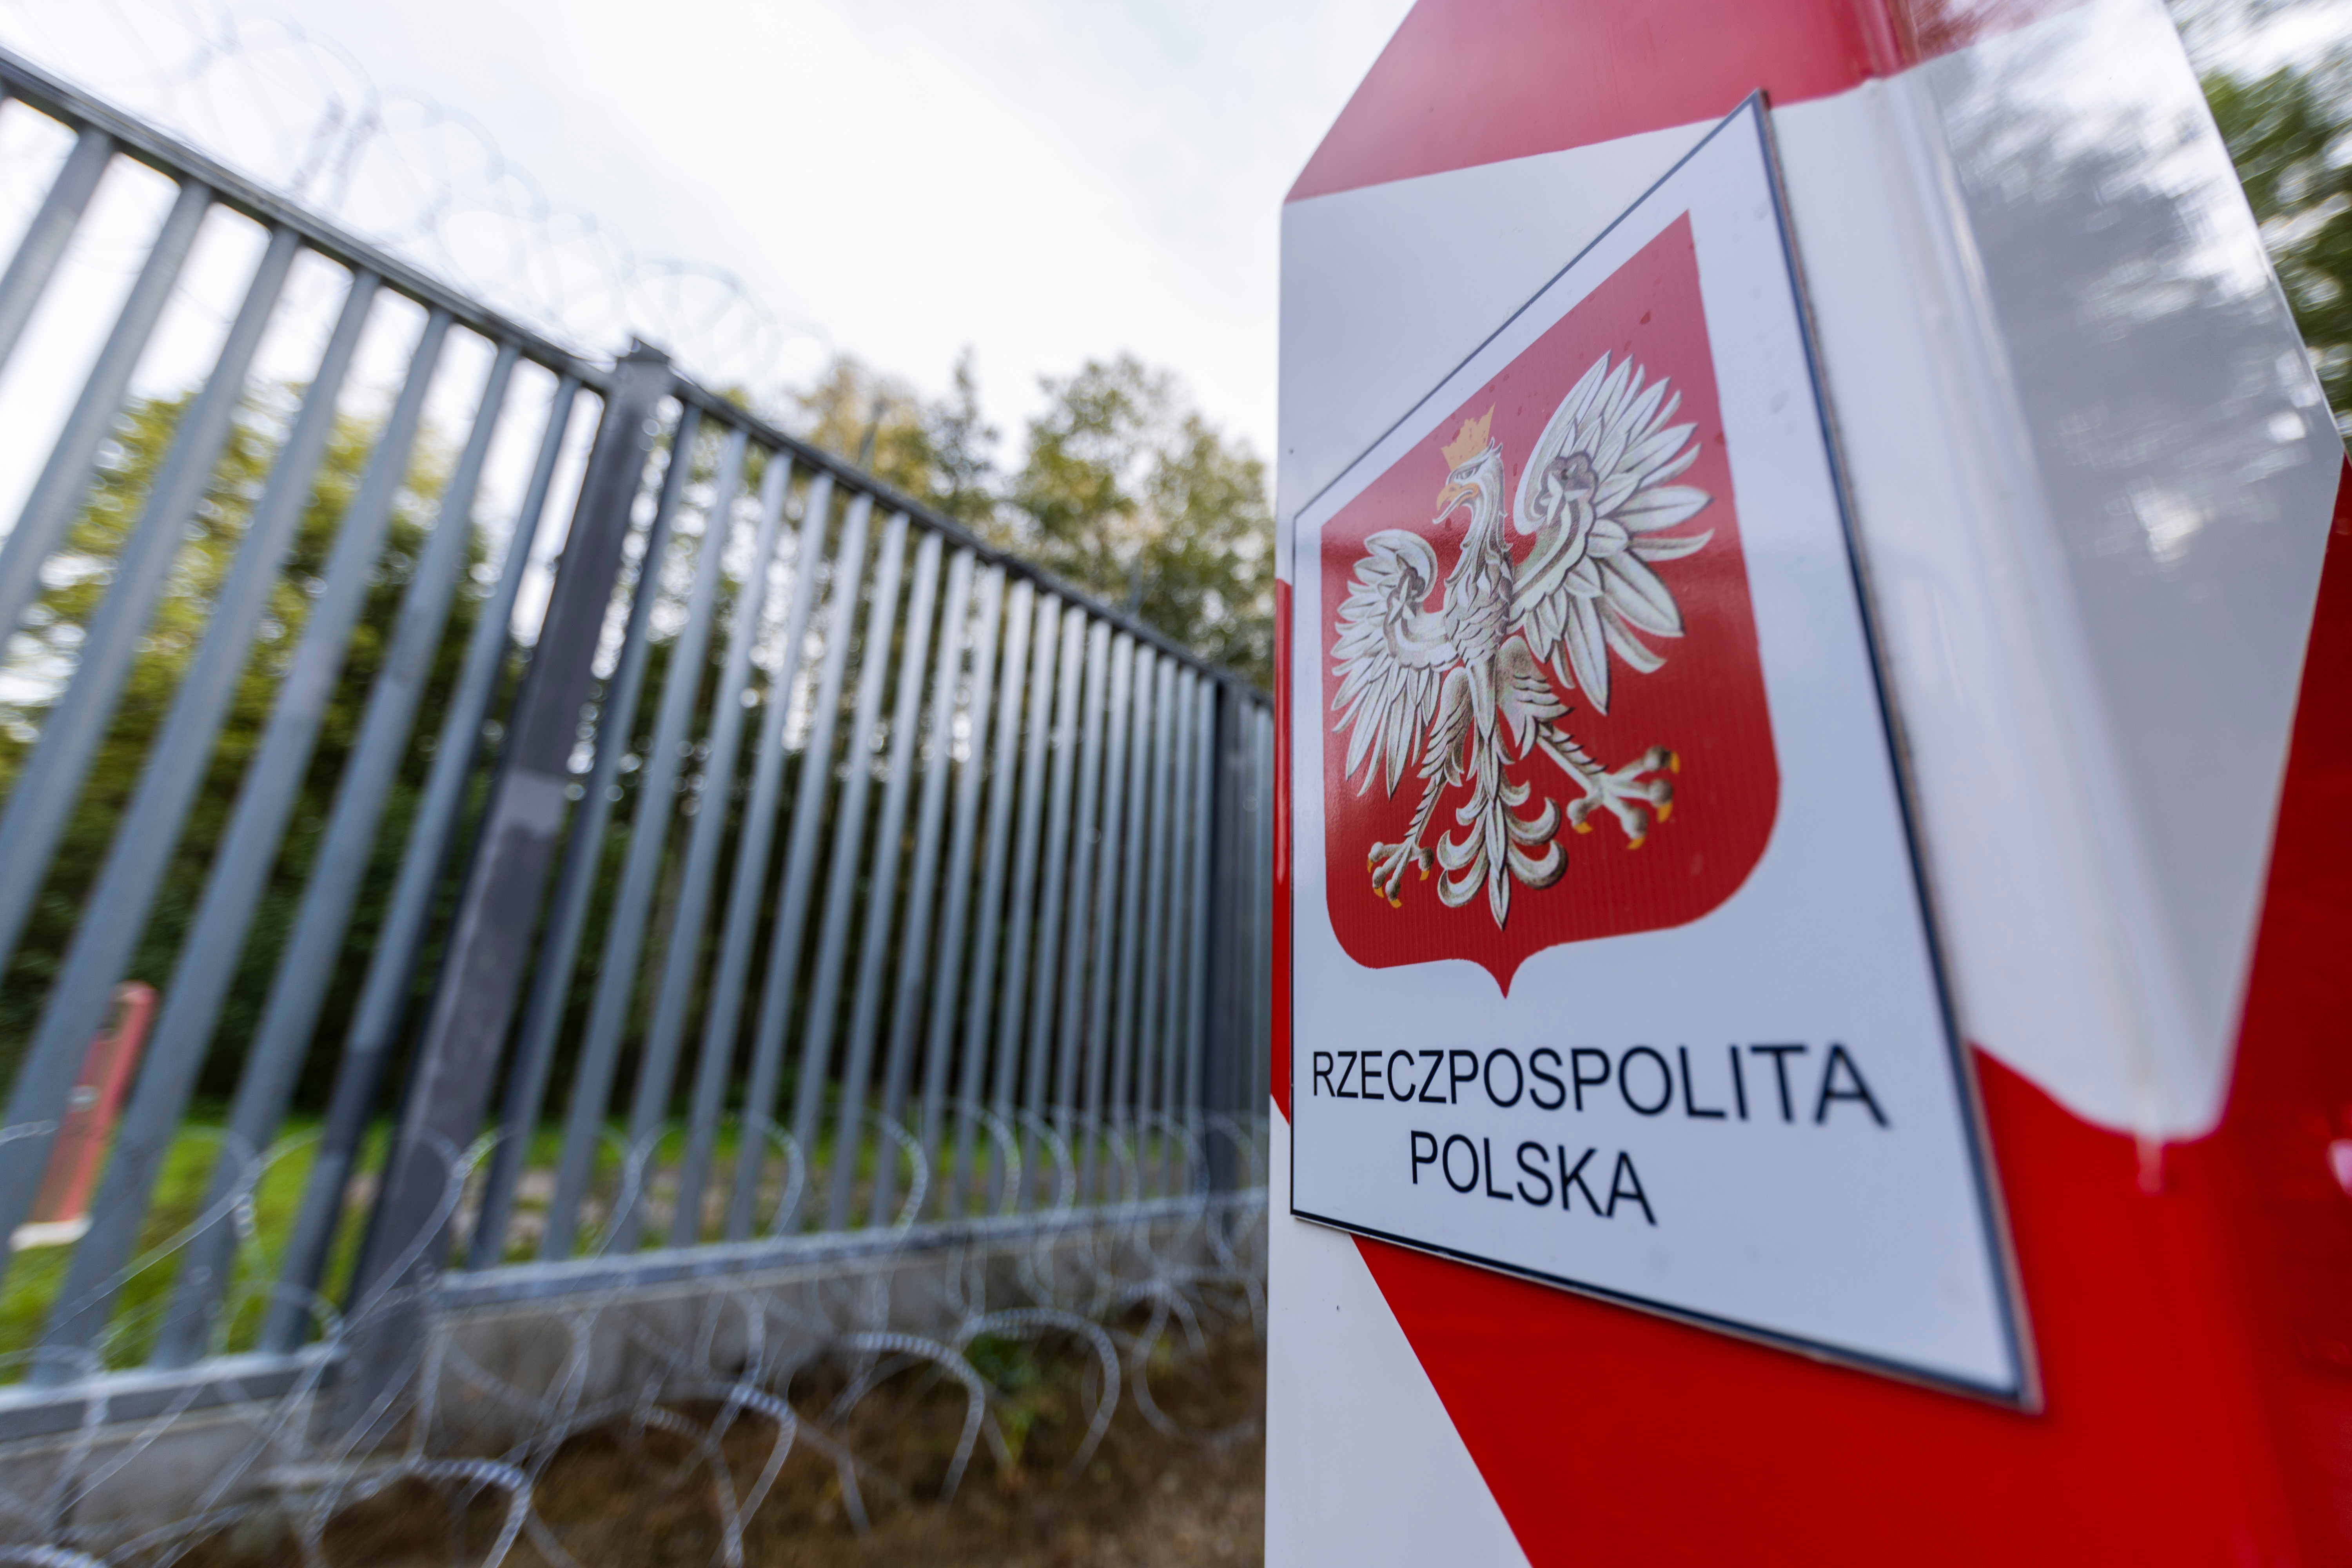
(1456, 682)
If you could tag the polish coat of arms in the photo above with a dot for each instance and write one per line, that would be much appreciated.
(1505, 673)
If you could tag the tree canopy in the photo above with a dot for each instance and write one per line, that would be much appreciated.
(43, 654)
(1123, 488)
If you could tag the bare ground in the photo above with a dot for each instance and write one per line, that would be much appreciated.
(1145, 1497)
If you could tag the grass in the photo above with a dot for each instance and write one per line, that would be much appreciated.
(35, 1276)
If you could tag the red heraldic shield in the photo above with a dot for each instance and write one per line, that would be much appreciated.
(1656, 777)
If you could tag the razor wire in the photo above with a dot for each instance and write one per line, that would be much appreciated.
(1121, 1284)
(301, 116)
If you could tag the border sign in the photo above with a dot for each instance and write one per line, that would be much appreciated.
(1587, 800)
(1613, 964)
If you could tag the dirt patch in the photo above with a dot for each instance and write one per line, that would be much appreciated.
(1188, 1488)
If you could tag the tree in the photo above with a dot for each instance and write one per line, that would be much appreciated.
(941, 454)
(1124, 490)
(1139, 499)
(962, 451)
(41, 657)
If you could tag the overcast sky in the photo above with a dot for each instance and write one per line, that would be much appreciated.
(1043, 180)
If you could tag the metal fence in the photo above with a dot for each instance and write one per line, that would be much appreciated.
(777, 858)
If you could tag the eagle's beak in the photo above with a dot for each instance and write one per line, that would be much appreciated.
(1452, 496)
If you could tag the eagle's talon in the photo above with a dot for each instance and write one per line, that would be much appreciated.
(1635, 793)
(1386, 863)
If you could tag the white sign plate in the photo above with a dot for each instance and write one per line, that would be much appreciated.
(1612, 964)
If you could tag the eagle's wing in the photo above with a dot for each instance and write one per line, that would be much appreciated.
(1595, 493)
(1391, 655)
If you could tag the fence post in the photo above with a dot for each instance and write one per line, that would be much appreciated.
(1224, 1042)
(489, 941)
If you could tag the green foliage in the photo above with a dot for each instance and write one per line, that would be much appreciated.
(1024, 1392)
(941, 454)
(38, 1273)
(41, 659)
(1124, 490)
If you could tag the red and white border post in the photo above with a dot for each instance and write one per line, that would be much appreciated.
(1812, 877)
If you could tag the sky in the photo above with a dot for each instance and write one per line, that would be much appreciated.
(1044, 181)
(1041, 180)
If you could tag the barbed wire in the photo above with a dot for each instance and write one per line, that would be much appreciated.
(1128, 1285)
(298, 113)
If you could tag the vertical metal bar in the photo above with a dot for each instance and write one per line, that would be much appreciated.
(46, 237)
(611, 722)
(1050, 935)
(306, 964)
(984, 944)
(1208, 770)
(1183, 989)
(1153, 1103)
(176, 764)
(65, 474)
(1174, 1105)
(1013, 994)
(1124, 1079)
(1033, 905)
(52, 780)
(848, 846)
(1260, 1084)
(657, 806)
(777, 990)
(239, 874)
(882, 890)
(1038, 1056)
(916, 957)
(1105, 929)
(1240, 1054)
(1015, 718)
(45, 792)
(683, 963)
(1075, 923)
(1250, 918)
(383, 994)
(1249, 930)
(491, 936)
(722, 1015)
(1222, 920)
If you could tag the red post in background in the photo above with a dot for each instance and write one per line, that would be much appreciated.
(61, 1208)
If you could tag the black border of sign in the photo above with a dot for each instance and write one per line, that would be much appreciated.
(2024, 1393)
